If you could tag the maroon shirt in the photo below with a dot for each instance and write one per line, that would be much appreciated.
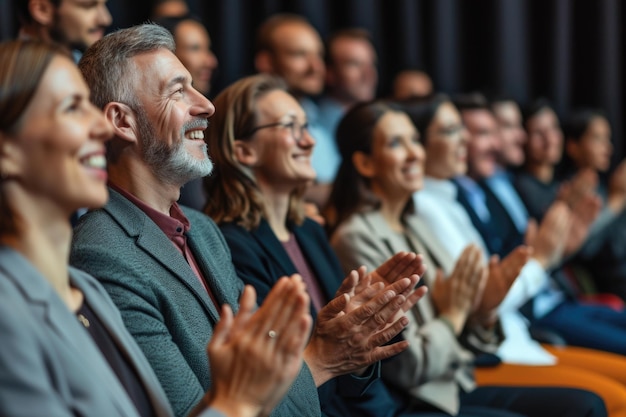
(175, 226)
(304, 269)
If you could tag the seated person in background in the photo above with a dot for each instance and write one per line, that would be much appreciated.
(552, 305)
(411, 84)
(384, 166)
(169, 8)
(351, 77)
(167, 268)
(75, 25)
(290, 47)
(588, 148)
(446, 228)
(193, 48)
(262, 148)
(538, 195)
(65, 350)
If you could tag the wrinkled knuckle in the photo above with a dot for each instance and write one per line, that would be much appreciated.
(379, 319)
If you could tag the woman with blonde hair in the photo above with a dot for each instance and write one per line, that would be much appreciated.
(262, 150)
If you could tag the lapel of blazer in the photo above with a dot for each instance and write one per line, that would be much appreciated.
(394, 243)
(273, 248)
(125, 344)
(208, 247)
(155, 243)
(55, 315)
(431, 243)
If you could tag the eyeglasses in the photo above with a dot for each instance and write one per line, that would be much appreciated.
(297, 129)
(451, 130)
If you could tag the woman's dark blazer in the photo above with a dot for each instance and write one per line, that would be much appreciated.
(260, 259)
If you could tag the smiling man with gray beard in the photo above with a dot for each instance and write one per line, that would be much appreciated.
(168, 268)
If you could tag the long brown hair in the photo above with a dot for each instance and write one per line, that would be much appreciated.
(24, 63)
(351, 191)
(233, 194)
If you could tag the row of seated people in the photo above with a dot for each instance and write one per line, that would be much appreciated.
(67, 349)
(436, 396)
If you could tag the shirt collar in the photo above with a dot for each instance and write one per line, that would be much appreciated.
(176, 224)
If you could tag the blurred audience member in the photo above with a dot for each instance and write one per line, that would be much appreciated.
(288, 46)
(75, 24)
(382, 167)
(588, 148)
(555, 306)
(512, 134)
(411, 84)
(193, 48)
(169, 8)
(537, 182)
(351, 77)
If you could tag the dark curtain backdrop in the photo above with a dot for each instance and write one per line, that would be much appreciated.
(570, 51)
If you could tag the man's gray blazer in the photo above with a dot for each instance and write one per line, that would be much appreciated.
(163, 304)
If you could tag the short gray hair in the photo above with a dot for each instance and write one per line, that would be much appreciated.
(106, 65)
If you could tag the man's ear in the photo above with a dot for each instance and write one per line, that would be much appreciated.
(244, 153)
(363, 164)
(123, 119)
(263, 62)
(42, 11)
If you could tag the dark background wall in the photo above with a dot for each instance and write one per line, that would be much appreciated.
(570, 51)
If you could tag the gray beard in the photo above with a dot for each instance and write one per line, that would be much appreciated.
(171, 164)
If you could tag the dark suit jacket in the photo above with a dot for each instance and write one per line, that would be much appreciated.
(163, 304)
(260, 259)
(49, 365)
(499, 233)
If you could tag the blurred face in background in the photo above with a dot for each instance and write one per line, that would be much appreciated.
(412, 84)
(484, 142)
(79, 23)
(298, 57)
(545, 138)
(446, 144)
(352, 76)
(512, 134)
(594, 148)
(193, 48)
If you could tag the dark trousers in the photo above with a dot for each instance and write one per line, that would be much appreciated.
(591, 326)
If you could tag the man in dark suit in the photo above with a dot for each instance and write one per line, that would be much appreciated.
(167, 267)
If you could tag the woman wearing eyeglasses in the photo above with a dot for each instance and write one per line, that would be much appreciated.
(262, 150)
(64, 349)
